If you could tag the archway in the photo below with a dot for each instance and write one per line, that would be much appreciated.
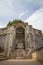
(20, 42)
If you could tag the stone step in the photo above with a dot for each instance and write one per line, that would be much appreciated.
(2, 59)
(1, 56)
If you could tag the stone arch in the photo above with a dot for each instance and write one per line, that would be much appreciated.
(20, 41)
(18, 47)
(20, 35)
(19, 25)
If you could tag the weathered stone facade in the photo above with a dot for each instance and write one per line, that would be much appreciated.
(20, 40)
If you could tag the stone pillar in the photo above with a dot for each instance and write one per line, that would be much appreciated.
(9, 42)
(34, 38)
(6, 45)
(28, 37)
(28, 40)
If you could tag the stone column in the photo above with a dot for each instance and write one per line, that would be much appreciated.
(28, 40)
(28, 36)
(10, 44)
(9, 41)
(34, 38)
(6, 45)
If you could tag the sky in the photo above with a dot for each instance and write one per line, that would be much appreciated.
(30, 11)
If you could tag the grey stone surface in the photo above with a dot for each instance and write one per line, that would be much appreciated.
(20, 38)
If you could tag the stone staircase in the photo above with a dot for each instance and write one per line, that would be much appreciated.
(2, 56)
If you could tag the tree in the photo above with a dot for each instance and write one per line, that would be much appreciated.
(10, 23)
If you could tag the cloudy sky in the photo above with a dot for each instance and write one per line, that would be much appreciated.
(30, 11)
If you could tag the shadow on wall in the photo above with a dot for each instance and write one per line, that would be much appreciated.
(38, 55)
(1, 50)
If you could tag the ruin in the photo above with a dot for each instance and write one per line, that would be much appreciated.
(20, 40)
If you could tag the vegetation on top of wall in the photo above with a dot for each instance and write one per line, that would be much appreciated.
(10, 23)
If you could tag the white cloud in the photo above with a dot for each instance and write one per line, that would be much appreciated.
(36, 19)
(22, 14)
(2, 25)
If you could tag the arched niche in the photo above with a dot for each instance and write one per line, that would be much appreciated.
(20, 37)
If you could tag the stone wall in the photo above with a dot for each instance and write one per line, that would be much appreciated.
(39, 42)
(2, 40)
(33, 41)
(37, 39)
(38, 55)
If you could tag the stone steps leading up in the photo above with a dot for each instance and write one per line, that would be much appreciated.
(2, 56)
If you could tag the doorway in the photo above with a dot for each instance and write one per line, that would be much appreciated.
(20, 42)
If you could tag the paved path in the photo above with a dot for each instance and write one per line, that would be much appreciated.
(20, 62)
